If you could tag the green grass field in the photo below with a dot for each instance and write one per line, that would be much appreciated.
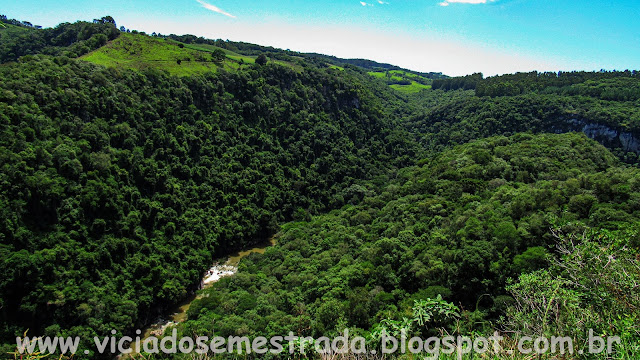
(237, 58)
(399, 75)
(410, 89)
(230, 54)
(138, 52)
(377, 74)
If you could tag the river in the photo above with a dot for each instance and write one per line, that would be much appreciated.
(224, 267)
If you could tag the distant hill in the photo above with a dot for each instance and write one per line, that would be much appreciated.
(254, 50)
(20, 38)
(180, 55)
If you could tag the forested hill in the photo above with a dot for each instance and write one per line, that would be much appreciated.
(604, 105)
(118, 187)
(128, 162)
(460, 225)
(19, 38)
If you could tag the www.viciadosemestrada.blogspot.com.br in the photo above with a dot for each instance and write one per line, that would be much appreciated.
(431, 347)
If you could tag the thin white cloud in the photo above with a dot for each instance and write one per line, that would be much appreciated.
(372, 4)
(448, 2)
(214, 9)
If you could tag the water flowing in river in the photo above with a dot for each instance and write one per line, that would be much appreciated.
(219, 269)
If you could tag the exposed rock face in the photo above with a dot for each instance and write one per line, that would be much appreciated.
(629, 142)
(597, 130)
(607, 135)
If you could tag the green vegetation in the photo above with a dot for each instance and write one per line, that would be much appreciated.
(66, 39)
(606, 85)
(458, 226)
(413, 88)
(128, 162)
(404, 81)
(139, 52)
(592, 284)
(230, 54)
(603, 105)
(119, 187)
(136, 51)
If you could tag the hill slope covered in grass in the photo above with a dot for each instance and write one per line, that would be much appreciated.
(403, 81)
(139, 52)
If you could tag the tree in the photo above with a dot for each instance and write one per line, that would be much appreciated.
(261, 60)
(108, 20)
(218, 55)
(533, 259)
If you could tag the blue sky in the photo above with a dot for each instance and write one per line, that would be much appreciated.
(456, 37)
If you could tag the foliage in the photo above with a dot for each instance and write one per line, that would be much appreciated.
(616, 124)
(458, 226)
(261, 60)
(436, 310)
(120, 182)
(604, 105)
(468, 82)
(592, 285)
(118, 187)
(71, 40)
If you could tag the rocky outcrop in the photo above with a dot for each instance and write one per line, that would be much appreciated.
(606, 135)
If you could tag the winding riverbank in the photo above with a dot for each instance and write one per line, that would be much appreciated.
(221, 268)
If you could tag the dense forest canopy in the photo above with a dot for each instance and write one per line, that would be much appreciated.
(122, 179)
(136, 179)
(459, 226)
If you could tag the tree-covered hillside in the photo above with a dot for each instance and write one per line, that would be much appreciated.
(118, 187)
(21, 38)
(604, 105)
(459, 225)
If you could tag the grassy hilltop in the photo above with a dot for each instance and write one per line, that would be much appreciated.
(135, 51)
(139, 52)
